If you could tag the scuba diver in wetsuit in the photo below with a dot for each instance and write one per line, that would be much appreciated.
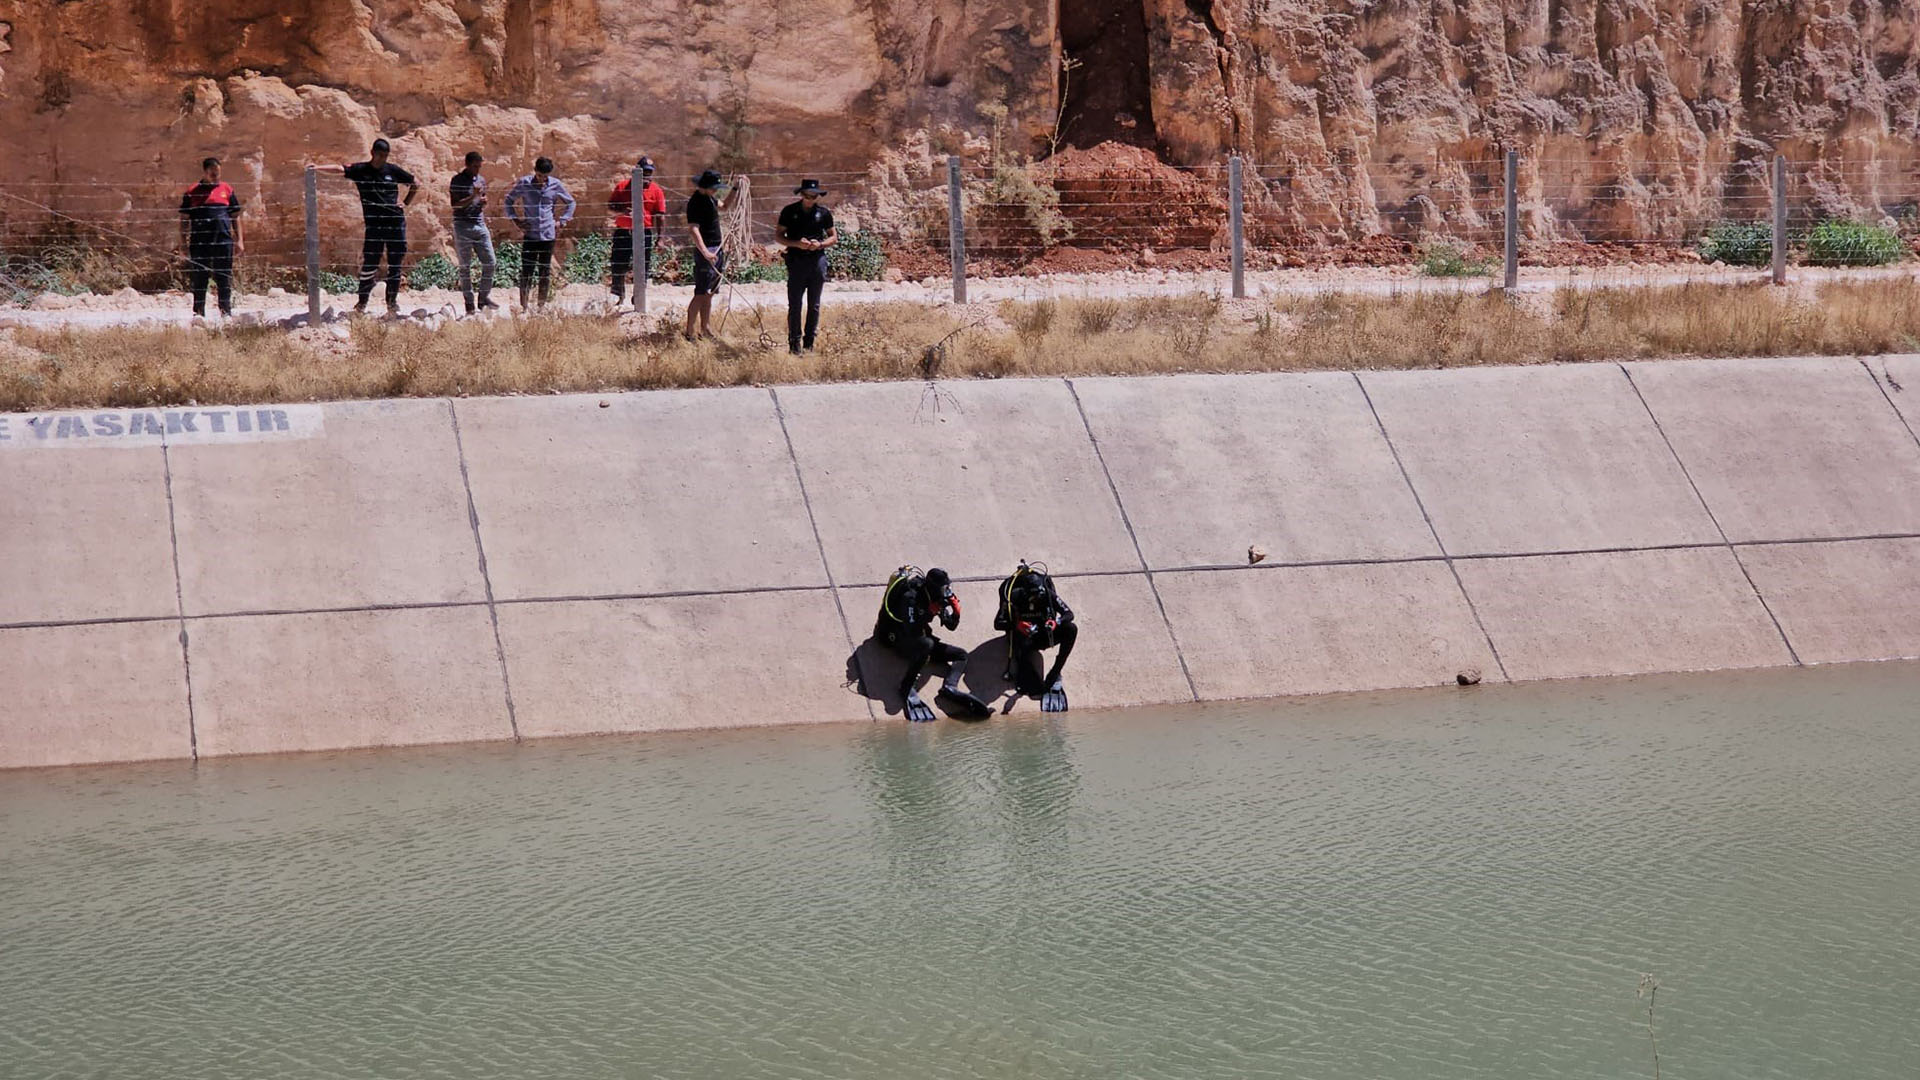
(1035, 618)
(907, 610)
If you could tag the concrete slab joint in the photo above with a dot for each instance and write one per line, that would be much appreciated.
(385, 573)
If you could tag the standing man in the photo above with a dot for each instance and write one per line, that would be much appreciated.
(385, 214)
(532, 205)
(709, 254)
(806, 230)
(653, 207)
(210, 236)
(468, 191)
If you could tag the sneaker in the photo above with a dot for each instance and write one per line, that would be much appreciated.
(486, 304)
(360, 308)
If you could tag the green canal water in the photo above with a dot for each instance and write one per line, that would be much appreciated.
(1422, 885)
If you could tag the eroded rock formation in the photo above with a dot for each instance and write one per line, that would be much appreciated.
(1635, 117)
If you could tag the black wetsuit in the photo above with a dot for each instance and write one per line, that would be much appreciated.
(905, 625)
(1034, 618)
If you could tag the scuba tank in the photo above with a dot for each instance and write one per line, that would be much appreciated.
(908, 587)
(1026, 596)
(902, 610)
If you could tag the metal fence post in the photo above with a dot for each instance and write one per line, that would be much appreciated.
(313, 246)
(956, 230)
(1513, 218)
(1236, 225)
(642, 250)
(1779, 219)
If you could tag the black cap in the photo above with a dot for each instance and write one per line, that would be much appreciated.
(707, 179)
(645, 163)
(381, 146)
(937, 579)
(809, 187)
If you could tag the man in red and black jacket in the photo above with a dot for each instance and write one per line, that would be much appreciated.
(210, 236)
(653, 207)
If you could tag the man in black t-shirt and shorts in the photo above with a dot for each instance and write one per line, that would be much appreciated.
(806, 231)
(379, 181)
(709, 255)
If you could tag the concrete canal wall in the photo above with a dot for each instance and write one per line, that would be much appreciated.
(228, 581)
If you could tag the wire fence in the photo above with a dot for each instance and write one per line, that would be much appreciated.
(1133, 212)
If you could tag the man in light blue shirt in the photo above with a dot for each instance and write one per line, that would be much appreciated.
(541, 205)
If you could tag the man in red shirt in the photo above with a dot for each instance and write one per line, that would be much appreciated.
(210, 236)
(653, 206)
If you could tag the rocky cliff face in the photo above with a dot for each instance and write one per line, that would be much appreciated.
(1366, 115)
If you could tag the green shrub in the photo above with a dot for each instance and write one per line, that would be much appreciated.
(506, 264)
(588, 259)
(332, 281)
(1853, 243)
(69, 267)
(1440, 259)
(1037, 199)
(1738, 243)
(434, 271)
(857, 257)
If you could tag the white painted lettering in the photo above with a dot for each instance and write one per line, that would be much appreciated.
(71, 427)
(107, 423)
(41, 425)
(216, 420)
(243, 419)
(272, 419)
(178, 422)
(4, 436)
(144, 423)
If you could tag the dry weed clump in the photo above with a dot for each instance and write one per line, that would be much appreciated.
(128, 367)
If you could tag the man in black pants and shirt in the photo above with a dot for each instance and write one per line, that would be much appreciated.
(210, 235)
(385, 214)
(806, 229)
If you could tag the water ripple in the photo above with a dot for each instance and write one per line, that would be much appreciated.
(1408, 885)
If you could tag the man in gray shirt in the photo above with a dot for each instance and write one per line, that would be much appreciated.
(541, 205)
(471, 240)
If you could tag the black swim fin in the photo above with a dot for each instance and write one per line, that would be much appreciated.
(979, 710)
(1055, 699)
(918, 711)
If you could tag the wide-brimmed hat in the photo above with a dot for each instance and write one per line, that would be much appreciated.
(707, 179)
(809, 187)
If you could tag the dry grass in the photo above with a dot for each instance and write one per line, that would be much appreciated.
(143, 366)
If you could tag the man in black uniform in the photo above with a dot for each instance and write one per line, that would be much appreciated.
(1035, 618)
(806, 230)
(379, 181)
(905, 625)
(210, 236)
(709, 248)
